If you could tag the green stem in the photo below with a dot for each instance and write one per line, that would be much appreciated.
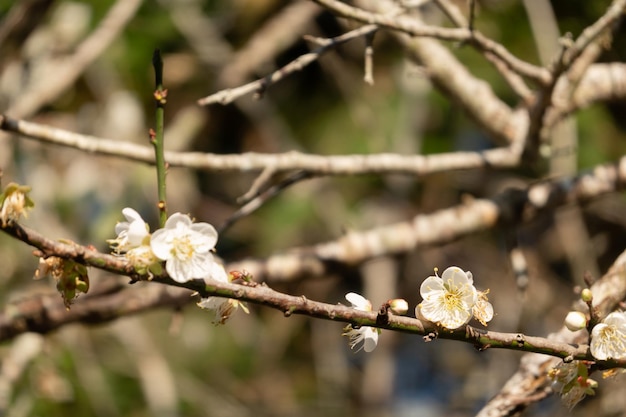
(156, 137)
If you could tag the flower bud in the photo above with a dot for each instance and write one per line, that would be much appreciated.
(586, 295)
(398, 306)
(575, 321)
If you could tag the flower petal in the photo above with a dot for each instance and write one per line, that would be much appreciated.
(359, 302)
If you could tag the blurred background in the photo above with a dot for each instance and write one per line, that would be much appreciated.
(174, 362)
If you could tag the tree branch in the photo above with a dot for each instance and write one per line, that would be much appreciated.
(418, 165)
(43, 314)
(257, 87)
(413, 27)
(531, 379)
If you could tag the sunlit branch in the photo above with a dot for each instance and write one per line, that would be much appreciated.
(386, 163)
(39, 316)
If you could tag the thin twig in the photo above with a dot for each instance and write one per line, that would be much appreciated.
(368, 72)
(254, 204)
(612, 17)
(231, 94)
(472, 15)
(259, 184)
(412, 27)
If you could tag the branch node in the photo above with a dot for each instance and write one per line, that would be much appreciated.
(430, 336)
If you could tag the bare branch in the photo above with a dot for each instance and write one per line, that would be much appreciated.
(601, 82)
(473, 216)
(510, 207)
(531, 383)
(413, 27)
(231, 94)
(43, 314)
(612, 17)
(283, 162)
(274, 36)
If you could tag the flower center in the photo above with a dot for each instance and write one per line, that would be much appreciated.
(452, 299)
(182, 248)
(614, 338)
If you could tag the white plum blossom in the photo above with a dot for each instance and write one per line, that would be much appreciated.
(222, 308)
(608, 338)
(363, 337)
(133, 242)
(185, 247)
(449, 300)
(130, 234)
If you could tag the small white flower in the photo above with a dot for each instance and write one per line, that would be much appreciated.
(608, 339)
(364, 337)
(130, 234)
(449, 300)
(185, 247)
(222, 308)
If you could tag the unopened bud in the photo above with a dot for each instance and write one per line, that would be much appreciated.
(398, 306)
(575, 321)
(586, 295)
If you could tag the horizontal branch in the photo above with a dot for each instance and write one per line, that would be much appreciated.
(473, 216)
(385, 163)
(512, 207)
(44, 314)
